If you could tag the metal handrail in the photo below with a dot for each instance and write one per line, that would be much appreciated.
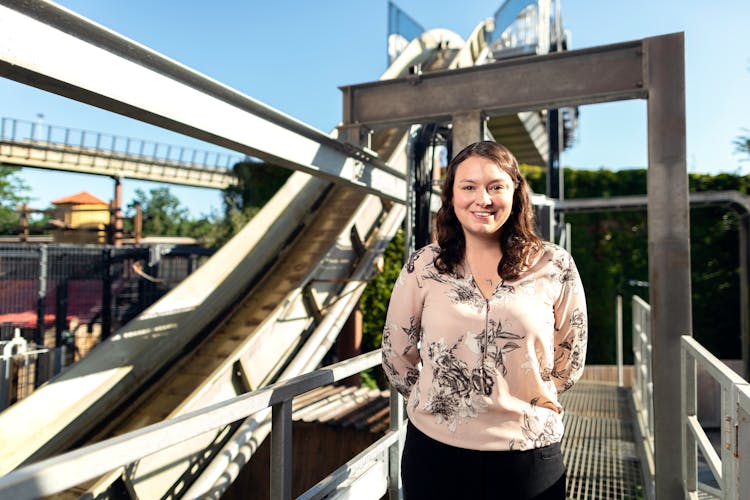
(43, 135)
(735, 410)
(70, 469)
(643, 389)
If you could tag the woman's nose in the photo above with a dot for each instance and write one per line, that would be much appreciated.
(484, 197)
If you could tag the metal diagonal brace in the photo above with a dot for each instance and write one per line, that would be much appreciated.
(54, 49)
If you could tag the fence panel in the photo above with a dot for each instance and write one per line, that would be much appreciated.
(63, 299)
(730, 465)
(643, 389)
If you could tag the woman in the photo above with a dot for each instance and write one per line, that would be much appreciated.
(484, 330)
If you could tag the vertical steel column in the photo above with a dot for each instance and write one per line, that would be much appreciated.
(468, 128)
(744, 293)
(618, 325)
(61, 310)
(669, 248)
(281, 451)
(40, 311)
(409, 219)
(106, 311)
(41, 293)
(554, 169)
(115, 215)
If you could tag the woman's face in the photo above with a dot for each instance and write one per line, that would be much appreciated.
(482, 197)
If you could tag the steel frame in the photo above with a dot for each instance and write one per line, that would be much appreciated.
(51, 48)
(55, 474)
(652, 69)
(733, 200)
(728, 464)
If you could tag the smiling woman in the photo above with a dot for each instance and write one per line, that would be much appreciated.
(482, 197)
(484, 330)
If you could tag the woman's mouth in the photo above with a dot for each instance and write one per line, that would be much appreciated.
(483, 215)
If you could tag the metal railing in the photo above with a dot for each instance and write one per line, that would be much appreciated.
(24, 366)
(70, 469)
(643, 389)
(730, 465)
(521, 27)
(42, 134)
(730, 468)
(402, 29)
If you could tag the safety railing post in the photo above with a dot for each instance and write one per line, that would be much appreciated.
(281, 451)
(689, 446)
(618, 325)
(6, 381)
(729, 471)
(41, 295)
(743, 441)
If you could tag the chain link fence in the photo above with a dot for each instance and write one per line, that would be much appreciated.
(57, 302)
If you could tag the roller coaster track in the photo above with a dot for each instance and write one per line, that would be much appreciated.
(266, 307)
(269, 304)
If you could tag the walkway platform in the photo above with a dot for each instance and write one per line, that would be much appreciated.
(599, 447)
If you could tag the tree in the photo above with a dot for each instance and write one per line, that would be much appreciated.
(257, 182)
(163, 215)
(742, 145)
(12, 188)
(611, 251)
(374, 303)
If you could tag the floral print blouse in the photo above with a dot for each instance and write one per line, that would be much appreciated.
(485, 374)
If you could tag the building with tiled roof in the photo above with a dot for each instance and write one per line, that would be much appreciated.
(81, 218)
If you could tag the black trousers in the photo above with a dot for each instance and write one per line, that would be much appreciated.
(434, 470)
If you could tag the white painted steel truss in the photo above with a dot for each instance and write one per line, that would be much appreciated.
(54, 49)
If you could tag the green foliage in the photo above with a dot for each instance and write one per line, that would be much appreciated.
(536, 177)
(374, 303)
(12, 190)
(164, 215)
(742, 145)
(257, 183)
(611, 249)
(611, 252)
(222, 230)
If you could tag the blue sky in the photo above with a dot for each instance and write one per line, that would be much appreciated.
(293, 55)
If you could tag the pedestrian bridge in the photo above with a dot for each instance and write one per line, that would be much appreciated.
(176, 402)
(38, 145)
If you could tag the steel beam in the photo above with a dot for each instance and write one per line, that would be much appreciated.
(468, 128)
(668, 248)
(734, 200)
(54, 49)
(653, 69)
(600, 74)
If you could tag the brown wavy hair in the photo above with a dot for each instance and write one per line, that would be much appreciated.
(518, 241)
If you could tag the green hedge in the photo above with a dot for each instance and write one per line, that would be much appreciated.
(610, 249)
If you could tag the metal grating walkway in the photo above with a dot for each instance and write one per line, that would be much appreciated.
(599, 447)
